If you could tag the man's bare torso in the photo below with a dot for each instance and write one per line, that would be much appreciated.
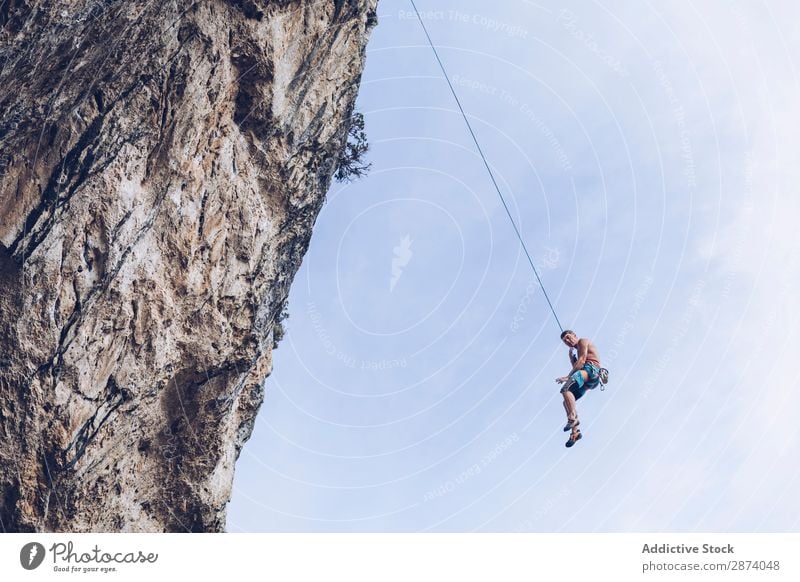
(592, 357)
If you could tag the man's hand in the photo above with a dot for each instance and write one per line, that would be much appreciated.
(562, 379)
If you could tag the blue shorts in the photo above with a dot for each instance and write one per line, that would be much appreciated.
(578, 387)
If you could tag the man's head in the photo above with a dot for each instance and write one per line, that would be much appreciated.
(568, 337)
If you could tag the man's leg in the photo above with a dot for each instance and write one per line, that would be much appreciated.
(570, 405)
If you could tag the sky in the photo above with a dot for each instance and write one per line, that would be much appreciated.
(648, 153)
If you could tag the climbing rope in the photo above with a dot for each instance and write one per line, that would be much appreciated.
(486, 163)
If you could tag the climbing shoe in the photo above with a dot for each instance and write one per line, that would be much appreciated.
(574, 438)
(571, 424)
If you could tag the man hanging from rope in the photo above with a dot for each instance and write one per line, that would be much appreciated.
(586, 374)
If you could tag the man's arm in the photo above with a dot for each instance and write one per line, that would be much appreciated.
(577, 363)
(583, 351)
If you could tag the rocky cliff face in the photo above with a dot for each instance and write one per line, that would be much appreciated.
(162, 165)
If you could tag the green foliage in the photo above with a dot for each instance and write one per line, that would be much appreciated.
(278, 329)
(351, 164)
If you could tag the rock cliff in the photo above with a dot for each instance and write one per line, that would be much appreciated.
(161, 167)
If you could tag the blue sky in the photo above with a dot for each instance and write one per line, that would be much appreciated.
(649, 156)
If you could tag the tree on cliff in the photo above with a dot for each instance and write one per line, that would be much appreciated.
(351, 164)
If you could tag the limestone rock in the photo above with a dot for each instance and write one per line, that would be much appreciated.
(161, 167)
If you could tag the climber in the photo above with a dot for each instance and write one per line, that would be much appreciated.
(586, 374)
